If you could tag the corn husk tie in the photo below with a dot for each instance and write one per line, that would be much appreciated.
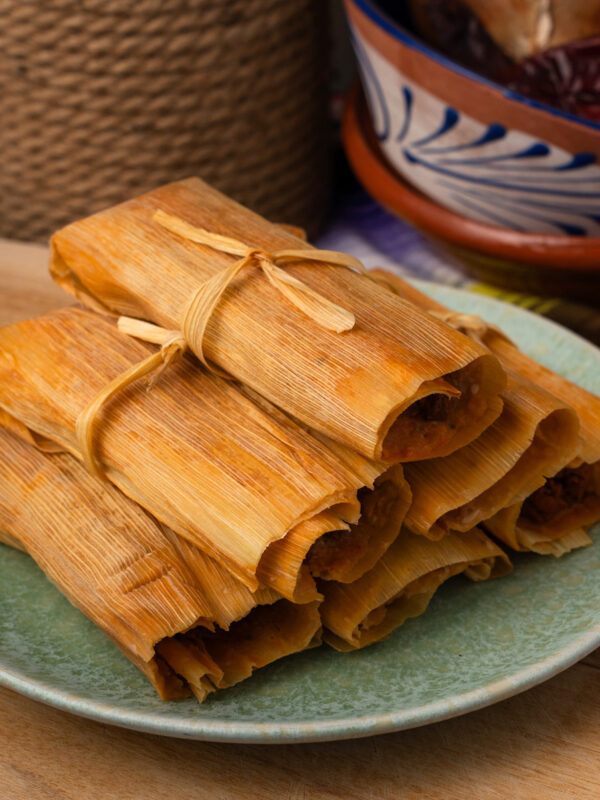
(202, 305)
(172, 346)
(199, 310)
(471, 325)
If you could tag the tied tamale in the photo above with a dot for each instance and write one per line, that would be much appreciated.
(397, 385)
(195, 452)
(116, 564)
(402, 583)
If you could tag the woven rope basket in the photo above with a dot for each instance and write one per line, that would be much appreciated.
(103, 99)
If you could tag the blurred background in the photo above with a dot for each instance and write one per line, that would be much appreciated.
(466, 152)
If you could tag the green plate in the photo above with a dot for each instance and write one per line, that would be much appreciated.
(477, 643)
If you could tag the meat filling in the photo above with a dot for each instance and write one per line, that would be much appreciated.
(430, 423)
(433, 408)
(334, 553)
(568, 490)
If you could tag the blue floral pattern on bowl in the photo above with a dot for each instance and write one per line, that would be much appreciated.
(489, 173)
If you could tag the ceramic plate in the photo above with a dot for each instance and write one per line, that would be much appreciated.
(477, 643)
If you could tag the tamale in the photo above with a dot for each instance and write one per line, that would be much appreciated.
(402, 583)
(398, 385)
(536, 435)
(406, 290)
(328, 547)
(515, 529)
(346, 548)
(552, 516)
(104, 553)
(116, 564)
(195, 452)
(552, 520)
(267, 634)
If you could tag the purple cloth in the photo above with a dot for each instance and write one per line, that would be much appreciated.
(364, 229)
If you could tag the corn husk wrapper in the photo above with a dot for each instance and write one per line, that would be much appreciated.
(516, 524)
(228, 598)
(267, 634)
(554, 518)
(337, 550)
(586, 404)
(353, 386)
(536, 435)
(328, 546)
(510, 528)
(402, 583)
(406, 290)
(194, 451)
(181, 618)
(107, 556)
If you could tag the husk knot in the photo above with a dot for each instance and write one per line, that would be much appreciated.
(199, 310)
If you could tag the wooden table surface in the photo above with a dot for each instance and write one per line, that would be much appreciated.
(541, 745)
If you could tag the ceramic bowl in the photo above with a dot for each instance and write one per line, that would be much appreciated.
(563, 266)
(478, 149)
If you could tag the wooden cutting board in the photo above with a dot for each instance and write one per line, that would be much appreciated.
(541, 745)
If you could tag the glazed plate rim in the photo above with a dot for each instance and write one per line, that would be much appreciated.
(355, 726)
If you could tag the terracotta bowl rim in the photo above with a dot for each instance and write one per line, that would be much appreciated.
(381, 179)
(371, 9)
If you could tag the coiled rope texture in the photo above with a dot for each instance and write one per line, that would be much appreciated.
(104, 99)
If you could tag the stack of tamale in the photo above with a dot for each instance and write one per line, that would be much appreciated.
(310, 462)
(558, 498)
